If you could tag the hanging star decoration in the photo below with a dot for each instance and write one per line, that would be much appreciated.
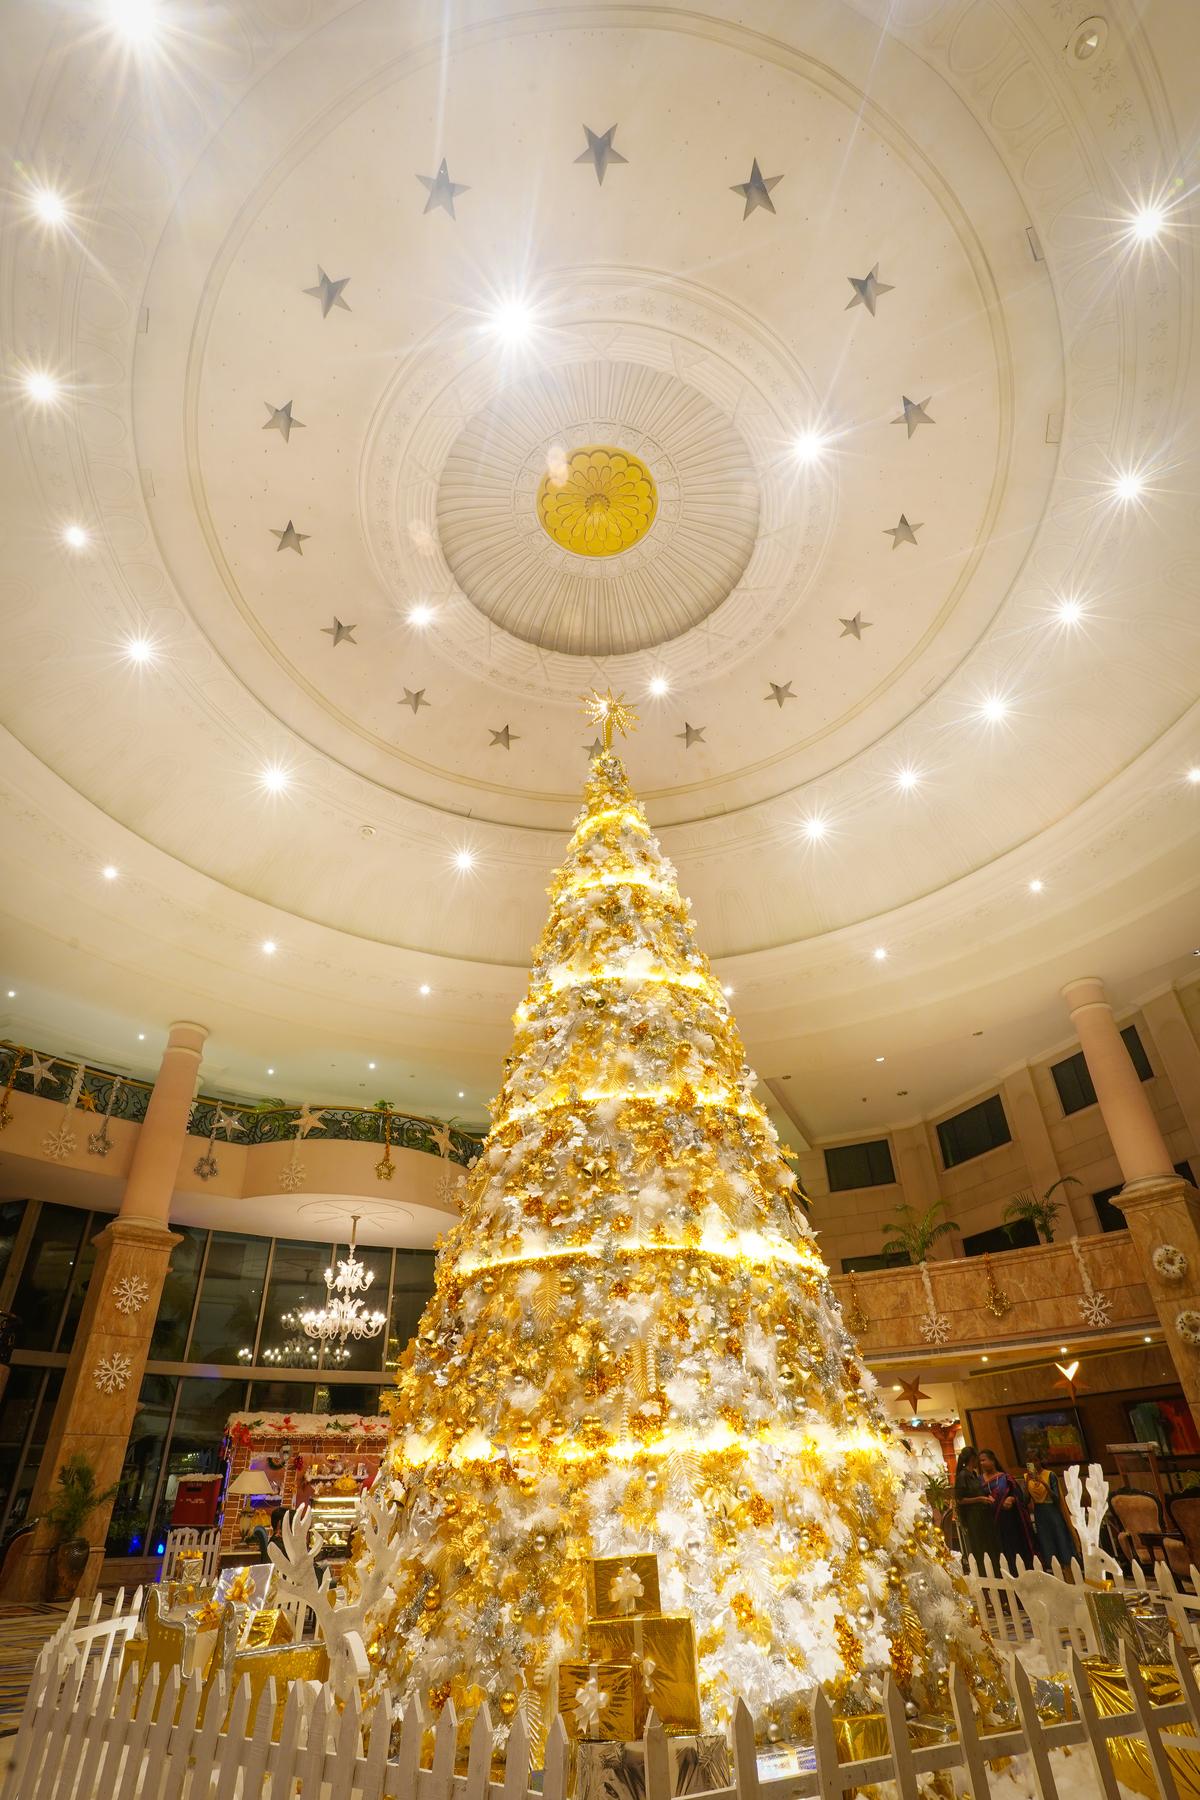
(414, 697)
(854, 627)
(329, 293)
(281, 420)
(757, 191)
(691, 734)
(903, 533)
(868, 290)
(912, 1393)
(600, 151)
(610, 713)
(441, 190)
(441, 1137)
(39, 1067)
(780, 691)
(290, 538)
(340, 633)
(914, 413)
(229, 1123)
(505, 737)
(309, 1119)
(595, 748)
(1069, 1372)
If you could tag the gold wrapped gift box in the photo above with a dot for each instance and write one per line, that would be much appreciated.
(1130, 1755)
(664, 1644)
(621, 1712)
(636, 1579)
(697, 1765)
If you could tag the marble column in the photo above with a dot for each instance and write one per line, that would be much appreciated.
(1161, 1210)
(1179, 1053)
(99, 1398)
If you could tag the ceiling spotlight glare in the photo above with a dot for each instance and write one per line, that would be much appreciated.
(41, 388)
(727, 990)
(134, 20)
(1069, 611)
(907, 780)
(464, 859)
(1146, 224)
(659, 685)
(420, 614)
(109, 872)
(269, 947)
(1128, 486)
(75, 537)
(141, 1037)
(512, 321)
(880, 1059)
(808, 447)
(1036, 885)
(370, 1065)
(139, 650)
(1193, 776)
(48, 206)
(274, 779)
(879, 953)
(994, 708)
(814, 828)
(12, 993)
(425, 989)
(461, 1094)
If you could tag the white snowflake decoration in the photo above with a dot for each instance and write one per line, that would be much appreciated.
(131, 1293)
(111, 1374)
(935, 1328)
(292, 1176)
(1094, 1310)
(60, 1143)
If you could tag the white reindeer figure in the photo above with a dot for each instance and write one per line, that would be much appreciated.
(342, 1627)
(1087, 1521)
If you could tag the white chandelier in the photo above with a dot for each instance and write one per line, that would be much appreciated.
(344, 1314)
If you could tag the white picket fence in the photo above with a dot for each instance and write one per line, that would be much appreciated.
(1021, 1605)
(204, 1538)
(80, 1738)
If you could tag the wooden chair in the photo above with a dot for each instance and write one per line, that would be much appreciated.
(1142, 1534)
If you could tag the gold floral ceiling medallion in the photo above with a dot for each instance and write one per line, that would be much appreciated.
(597, 500)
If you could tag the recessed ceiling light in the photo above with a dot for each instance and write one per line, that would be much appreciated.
(814, 828)
(420, 614)
(75, 537)
(1063, 1350)
(1036, 885)
(12, 993)
(809, 446)
(1068, 611)
(993, 708)
(141, 1037)
(464, 859)
(879, 1059)
(907, 779)
(270, 1071)
(134, 20)
(269, 947)
(1089, 37)
(879, 953)
(1128, 486)
(896, 1388)
(461, 1095)
(109, 872)
(49, 207)
(425, 988)
(659, 685)
(1146, 1339)
(1146, 223)
(1193, 776)
(274, 778)
(139, 650)
(727, 989)
(43, 389)
(370, 1065)
(985, 1359)
(512, 321)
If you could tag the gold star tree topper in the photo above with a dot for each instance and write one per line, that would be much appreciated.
(610, 713)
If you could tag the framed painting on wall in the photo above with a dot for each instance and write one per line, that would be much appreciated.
(1052, 1438)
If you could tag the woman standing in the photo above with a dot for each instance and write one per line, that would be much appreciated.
(1009, 1511)
(977, 1534)
(1051, 1530)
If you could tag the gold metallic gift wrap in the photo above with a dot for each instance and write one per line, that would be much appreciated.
(1112, 1622)
(602, 1570)
(624, 1713)
(1130, 1757)
(268, 1626)
(665, 1646)
(697, 1765)
(288, 1663)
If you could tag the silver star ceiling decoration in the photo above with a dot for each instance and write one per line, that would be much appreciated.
(780, 691)
(228, 1123)
(854, 627)
(595, 748)
(600, 151)
(505, 737)
(691, 734)
(441, 190)
(290, 538)
(414, 697)
(309, 1119)
(340, 633)
(903, 533)
(914, 413)
(281, 420)
(757, 191)
(40, 1068)
(867, 290)
(329, 293)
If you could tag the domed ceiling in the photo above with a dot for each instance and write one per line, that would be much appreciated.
(804, 373)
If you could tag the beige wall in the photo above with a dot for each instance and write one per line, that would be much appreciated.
(1045, 1144)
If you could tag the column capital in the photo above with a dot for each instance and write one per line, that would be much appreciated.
(184, 1035)
(1085, 990)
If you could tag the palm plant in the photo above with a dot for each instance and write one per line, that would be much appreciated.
(1041, 1213)
(913, 1234)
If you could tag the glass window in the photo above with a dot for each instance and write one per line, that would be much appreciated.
(139, 1475)
(11, 1214)
(16, 1414)
(364, 1353)
(281, 1397)
(42, 1412)
(349, 1397)
(49, 1266)
(412, 1285)
(204, 1406)
(1137, 1053)
(859, 1165)
(227, 1316)
(1073, 1078)
(974, 1132)
(1017, 1236)
(178, 1296)
(297, 1281)
(82, 1274)
(863, 1265)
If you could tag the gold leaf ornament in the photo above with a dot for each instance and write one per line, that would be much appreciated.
(597, 501)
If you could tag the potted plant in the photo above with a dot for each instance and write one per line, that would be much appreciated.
(1041, 1214)
(913, 1234)
(76, 1498)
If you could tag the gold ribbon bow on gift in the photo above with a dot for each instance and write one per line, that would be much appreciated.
(591, 1701)
(208, 1616)
(241, 1589)
(648, 1667)
(626, 1587)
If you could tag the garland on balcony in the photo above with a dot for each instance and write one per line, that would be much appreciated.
(996, 1300)
(935, 1326)
(1094, 1309)
(856, 1319)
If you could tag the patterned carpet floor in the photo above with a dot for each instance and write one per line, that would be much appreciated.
(23, 1631)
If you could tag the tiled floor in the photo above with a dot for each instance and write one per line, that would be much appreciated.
(23, 1631)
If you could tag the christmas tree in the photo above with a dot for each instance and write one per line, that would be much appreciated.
(633, 1346)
